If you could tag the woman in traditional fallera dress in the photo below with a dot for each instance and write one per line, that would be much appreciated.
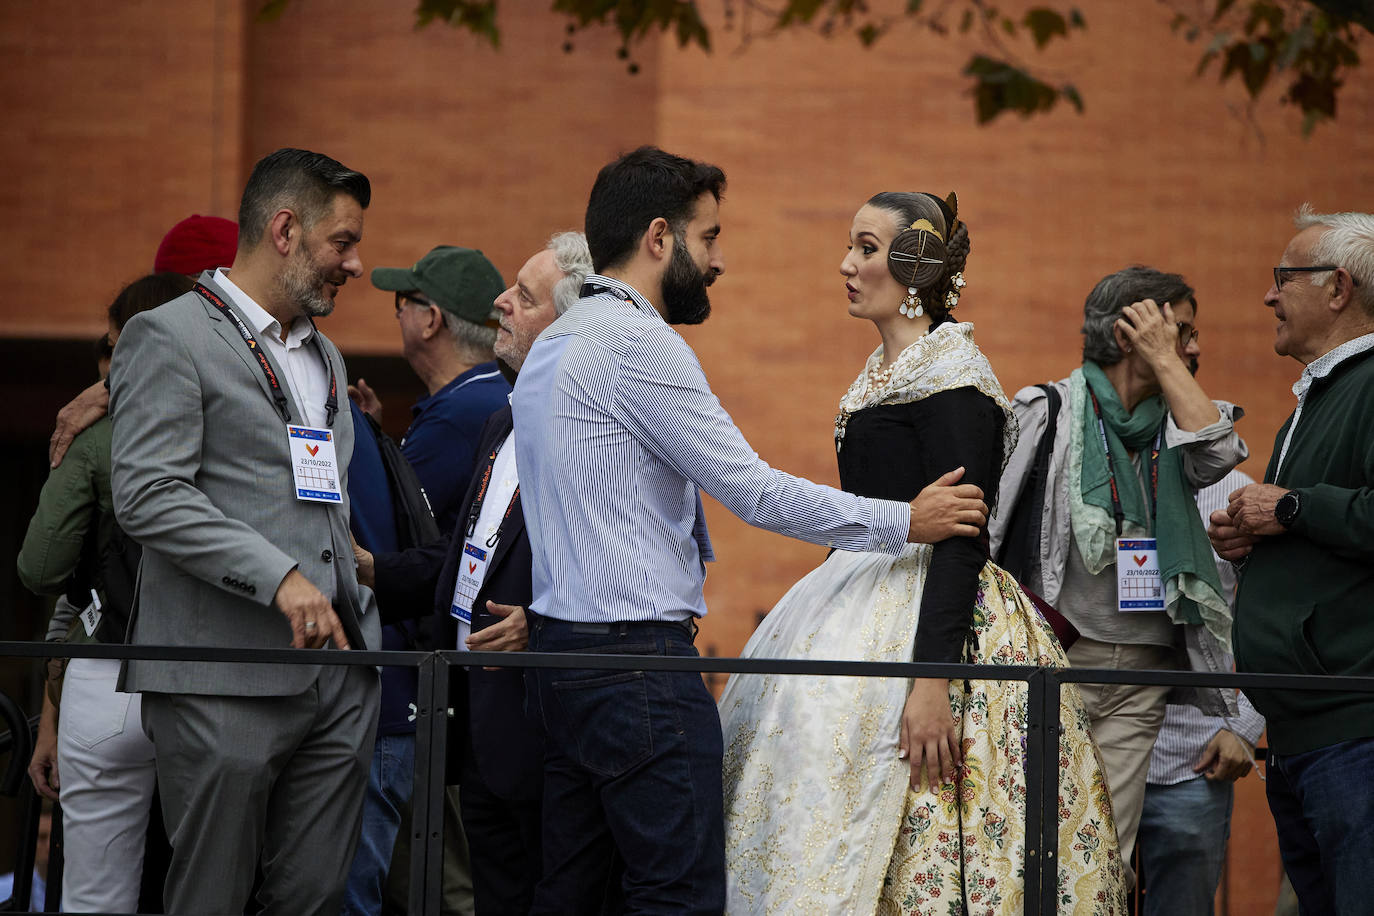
(880, 795)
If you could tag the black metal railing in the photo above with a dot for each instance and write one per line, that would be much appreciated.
(432, 714)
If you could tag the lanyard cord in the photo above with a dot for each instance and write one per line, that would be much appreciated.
(476, 511)
(1118, 512)
(331, 401)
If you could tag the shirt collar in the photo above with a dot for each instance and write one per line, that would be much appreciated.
(596, 284)
(260, 321)
(478, 372)
(1325, 364)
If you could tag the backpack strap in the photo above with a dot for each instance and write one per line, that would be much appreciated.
(1021, 547)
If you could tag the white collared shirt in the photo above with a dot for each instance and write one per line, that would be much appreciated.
(306, 374)
(1320, 367)
(500, 490)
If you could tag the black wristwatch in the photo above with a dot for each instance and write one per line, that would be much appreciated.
(1287, 509)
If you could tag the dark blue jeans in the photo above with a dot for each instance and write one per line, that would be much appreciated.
(631, 775)
(1323, 807)
(1182, 843)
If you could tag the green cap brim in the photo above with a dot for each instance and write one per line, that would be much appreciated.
(394, 279)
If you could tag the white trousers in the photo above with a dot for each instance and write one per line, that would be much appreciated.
(105, 763)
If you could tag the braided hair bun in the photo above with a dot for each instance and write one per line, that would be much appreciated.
(917, 255)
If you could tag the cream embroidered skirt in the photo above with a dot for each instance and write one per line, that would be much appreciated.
(819, 817)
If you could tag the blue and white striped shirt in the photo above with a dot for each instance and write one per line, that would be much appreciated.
(618, 430)
(1187, 730)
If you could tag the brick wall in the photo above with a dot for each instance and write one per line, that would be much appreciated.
(123, 118)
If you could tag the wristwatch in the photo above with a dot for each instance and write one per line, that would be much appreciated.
(1287, 509)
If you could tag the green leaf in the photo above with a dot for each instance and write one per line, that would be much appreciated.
(1044, 24)
(913, 7)
(1222, 7)
(477, 16)
(1293, 44)
(869, 33)
(271, 10)
(799, 11)
(1076, 19)
(1070, 93)
(1000, 86)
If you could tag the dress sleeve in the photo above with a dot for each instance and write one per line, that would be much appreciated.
(965, 427)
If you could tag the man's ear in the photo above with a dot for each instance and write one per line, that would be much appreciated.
(1123, 343)
(658, 239)
(282, 229)
(1342, 289)
(434, 322)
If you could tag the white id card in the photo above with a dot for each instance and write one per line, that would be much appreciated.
(314, 464)
(472, 570)
(1138, 583)
(90, 617)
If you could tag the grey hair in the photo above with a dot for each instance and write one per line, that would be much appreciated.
(1349, 243)
(571, 256)
(471, 340)
(1109, 299)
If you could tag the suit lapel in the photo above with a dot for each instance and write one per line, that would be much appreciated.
(231, 336)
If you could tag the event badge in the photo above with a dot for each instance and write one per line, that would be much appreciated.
(90, 617)
(314, 464)
(1138, 583)
(472, 570)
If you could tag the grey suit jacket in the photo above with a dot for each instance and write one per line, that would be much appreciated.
(201, 474)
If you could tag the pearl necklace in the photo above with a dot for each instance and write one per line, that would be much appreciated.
(877, 378)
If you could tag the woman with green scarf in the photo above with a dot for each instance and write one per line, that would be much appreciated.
(1135, 437)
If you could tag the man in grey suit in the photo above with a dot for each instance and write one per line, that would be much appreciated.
(230, 460)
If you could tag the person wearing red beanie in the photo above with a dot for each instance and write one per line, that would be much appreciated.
(196, 244)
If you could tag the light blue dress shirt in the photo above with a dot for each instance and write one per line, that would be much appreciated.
(617, 431)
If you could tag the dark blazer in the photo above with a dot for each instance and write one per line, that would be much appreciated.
(508, 749)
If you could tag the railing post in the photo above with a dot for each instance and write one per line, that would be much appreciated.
(1042, 793)
(1049, 823)
(427, 797)
(1035, 792)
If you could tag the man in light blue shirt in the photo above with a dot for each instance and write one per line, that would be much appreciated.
(618, 434)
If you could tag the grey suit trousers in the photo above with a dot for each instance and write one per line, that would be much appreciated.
(273, 779)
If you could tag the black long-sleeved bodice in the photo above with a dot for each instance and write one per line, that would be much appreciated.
(893, 451)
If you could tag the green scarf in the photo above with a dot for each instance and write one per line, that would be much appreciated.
(1186, 563)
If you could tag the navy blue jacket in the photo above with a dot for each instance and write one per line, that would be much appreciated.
(507, 746)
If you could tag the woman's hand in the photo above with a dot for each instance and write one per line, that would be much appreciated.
(929, 737)
(43, 763)
(1150, 328)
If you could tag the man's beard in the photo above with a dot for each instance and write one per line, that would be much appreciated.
(684, 288)
(303, 283)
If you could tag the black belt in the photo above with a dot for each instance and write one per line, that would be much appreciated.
(623, 627)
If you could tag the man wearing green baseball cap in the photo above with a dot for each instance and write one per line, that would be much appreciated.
(444, 306)
(444, 309)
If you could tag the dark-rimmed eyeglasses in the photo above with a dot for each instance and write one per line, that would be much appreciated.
(1186, 333)
(1280, 273)
(411, 298)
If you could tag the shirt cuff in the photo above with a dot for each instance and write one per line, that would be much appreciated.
(1222, 426)
(890, 526)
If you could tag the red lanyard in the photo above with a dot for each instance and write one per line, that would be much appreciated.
(331, 401)
(476, 511)
(1118, 512)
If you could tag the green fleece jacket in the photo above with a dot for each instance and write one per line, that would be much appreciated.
(74, 500)
(1305, 603)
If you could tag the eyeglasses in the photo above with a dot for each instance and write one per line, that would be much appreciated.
(1279, 272)
(1186, 333)
(413, 298)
